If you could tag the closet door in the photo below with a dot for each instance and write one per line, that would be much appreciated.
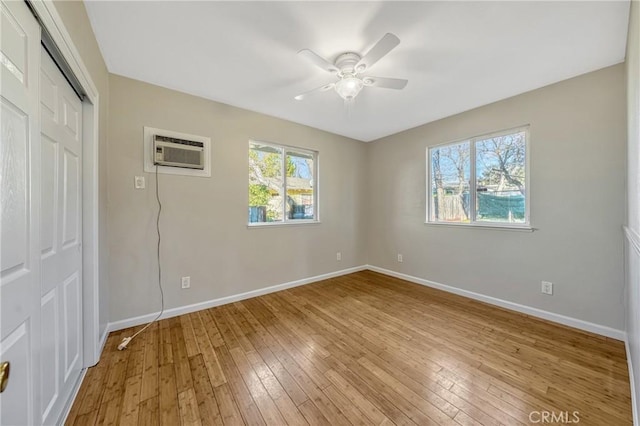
(40, 226)
(60, 238)
(20, 214)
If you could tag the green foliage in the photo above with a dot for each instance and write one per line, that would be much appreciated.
(270, 163)
(291, 167)
(258, 195)
(266, 179)
(271, 215)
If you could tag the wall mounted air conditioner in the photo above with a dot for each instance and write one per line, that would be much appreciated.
(175, 152)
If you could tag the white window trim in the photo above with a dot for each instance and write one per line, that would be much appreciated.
(526, 226)
(316, 185)
(485, 226)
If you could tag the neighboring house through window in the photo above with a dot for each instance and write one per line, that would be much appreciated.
(282, 184)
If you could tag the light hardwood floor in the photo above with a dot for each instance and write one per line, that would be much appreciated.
(359, 349)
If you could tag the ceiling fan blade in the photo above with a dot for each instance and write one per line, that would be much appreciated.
(385, 82)
(318, 60)
(382, 47)
(314, 91)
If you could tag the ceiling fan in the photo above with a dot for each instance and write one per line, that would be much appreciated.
(349, 66)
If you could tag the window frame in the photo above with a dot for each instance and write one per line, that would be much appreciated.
(473, 222)
(286, 149)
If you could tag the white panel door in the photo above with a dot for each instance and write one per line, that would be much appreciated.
(61, 238)
(20, 209)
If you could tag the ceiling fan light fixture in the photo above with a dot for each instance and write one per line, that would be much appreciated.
(349, 87)
(348, 68)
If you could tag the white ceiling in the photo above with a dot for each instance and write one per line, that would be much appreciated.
(456, 55)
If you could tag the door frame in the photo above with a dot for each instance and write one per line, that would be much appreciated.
(93, 337)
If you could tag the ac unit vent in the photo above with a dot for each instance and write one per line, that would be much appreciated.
(177, 152)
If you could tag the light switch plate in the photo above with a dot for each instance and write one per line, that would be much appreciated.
(185, 282)
(139, 182)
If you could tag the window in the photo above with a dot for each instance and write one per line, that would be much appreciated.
(480, 181)
(282, 184)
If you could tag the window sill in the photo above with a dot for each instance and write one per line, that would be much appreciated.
(279, 224)
(517, 228)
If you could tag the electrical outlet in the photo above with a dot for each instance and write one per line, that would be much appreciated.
(138, 182)
(399, 258)
(338, 256)
(547, 287)
(186, 282)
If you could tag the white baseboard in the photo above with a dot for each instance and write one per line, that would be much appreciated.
(174, 312)
(539, 313)
(535, 312)
(103, 340)
(634, 402)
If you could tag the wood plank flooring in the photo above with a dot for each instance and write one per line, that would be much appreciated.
(359, 349)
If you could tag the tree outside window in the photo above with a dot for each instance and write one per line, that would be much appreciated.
(480, 180)
(281, 184)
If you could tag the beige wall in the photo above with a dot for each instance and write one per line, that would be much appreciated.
(577, 177)
(204, 223)
(577, 149)
(76, 21)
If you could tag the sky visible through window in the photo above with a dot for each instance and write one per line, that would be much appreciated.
(499, 183)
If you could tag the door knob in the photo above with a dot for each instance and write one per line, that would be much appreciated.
(5, 367)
